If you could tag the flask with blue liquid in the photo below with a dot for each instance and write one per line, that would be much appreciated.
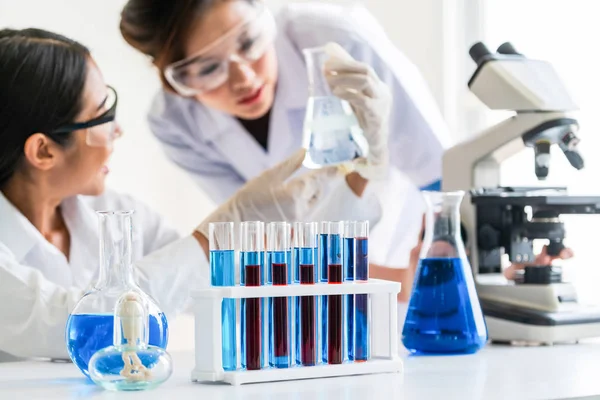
(444, 314)
(90, 326)
(331, 132)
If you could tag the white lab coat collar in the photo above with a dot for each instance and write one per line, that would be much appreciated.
(240, 149)
(16, 232)
(19, 234)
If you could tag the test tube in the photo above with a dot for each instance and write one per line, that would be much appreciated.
(251, 265)
(222, 273)
(348, 264)
(334, 303)
(361, 317)
(296, 228)
(322, 250)
(307, 241)
(279, 254)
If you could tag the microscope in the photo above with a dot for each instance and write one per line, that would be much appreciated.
(502, 222)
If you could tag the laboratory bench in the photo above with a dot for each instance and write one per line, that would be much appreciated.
(495, 372)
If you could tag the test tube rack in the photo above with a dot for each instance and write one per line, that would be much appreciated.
(208, 334)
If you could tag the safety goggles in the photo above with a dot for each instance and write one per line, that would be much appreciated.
(102, 130)
(209, 68)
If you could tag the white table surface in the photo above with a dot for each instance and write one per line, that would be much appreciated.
(496, 372)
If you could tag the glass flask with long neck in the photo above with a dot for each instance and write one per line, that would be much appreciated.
(444, 314)
(331, 132)
(90, 324)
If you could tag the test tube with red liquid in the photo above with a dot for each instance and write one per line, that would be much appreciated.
(335, 302)
(279, 262)
(307, 241)
(251, 274)
(323, 256)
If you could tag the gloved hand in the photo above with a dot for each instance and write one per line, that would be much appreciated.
(371, 101)
(269, 197)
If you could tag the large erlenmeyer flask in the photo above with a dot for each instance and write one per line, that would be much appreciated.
(90, 325)
(331, 134)
(444, 314)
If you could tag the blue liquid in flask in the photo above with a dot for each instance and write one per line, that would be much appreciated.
(88, 333)
(332, 133)
(222, 266)
(444, 315)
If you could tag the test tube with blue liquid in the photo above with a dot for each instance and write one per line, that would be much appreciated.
(348, 266)
(279, 260)
(222, 273)
(251, 274)
(322, 259)
(335, 302)
(361, 301)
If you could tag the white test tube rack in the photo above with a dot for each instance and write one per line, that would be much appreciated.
(383, 330)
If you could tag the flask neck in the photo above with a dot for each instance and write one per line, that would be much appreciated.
(442, 232)
(115, 249)
(315, 63)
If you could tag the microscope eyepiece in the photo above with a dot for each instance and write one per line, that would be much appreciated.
(479, 52)
(508, 49)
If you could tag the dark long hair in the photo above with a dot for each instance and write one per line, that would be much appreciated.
(42, 77)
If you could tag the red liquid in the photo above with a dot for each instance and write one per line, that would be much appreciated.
(280, 313)
(334, 317)
(307, 305)
(253, 320)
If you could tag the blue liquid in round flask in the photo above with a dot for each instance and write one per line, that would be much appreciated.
(91, 323)
(444, 314)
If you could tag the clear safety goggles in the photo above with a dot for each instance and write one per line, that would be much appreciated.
(209, 68)
(102, 130)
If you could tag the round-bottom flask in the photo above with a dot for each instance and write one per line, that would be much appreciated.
(91, 323)
(130, 363)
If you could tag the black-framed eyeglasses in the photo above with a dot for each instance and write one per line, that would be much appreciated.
(108, 116)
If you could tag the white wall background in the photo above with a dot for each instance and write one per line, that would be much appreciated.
(138, 165)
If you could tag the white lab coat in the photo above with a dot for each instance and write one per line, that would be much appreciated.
(221, 156)
(39, 287)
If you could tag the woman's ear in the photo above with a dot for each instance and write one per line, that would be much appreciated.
(40, 152)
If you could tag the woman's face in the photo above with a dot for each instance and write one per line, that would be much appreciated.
(80, 167)
(250, 89)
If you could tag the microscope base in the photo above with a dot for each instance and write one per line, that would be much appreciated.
(507, 323)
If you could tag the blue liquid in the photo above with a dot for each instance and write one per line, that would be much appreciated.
(361, 302)
(253, 258)
(222, 271)
(444, 315)
(334, 133)
(280, 361)
(323, 238)
(88, 333)
(348, 266)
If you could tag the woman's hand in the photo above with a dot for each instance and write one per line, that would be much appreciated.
(371, 101)
(541, 259)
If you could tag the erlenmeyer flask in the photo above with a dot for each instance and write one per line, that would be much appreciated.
(90, 325)
(331, 134)
(444, 314)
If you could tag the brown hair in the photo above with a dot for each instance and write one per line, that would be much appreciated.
(157, 28)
